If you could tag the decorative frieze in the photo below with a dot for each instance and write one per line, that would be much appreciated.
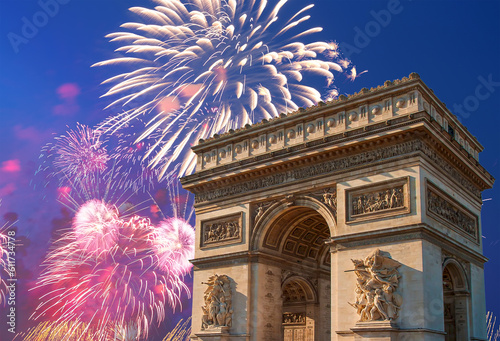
(376, 284)
(337, 166)
(445, 209)
(221, 231)
(380, 200)
(294, 318)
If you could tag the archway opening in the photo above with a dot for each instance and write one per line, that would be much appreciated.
(297, 236)
(455, 302)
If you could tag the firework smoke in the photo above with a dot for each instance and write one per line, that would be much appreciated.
(201, 67)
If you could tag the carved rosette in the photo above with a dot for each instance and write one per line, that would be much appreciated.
(217, 311)
(377, 281)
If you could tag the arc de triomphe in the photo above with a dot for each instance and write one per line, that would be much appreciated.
(353, 219)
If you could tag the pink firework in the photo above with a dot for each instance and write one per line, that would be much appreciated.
(111, 290)
(96, 226)
(175, 245)
(79, 153)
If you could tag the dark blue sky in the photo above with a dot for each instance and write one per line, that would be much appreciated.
(453, 45)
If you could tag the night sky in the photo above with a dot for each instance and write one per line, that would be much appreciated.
(47, 85)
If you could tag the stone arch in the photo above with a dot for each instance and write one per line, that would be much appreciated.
(279, 209)
(456, 297)
(300, 284)
(292, 233)
(458, 275)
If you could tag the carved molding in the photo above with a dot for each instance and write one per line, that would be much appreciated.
(217, 311)
(448, 211)
(337, 166)
(380, 200)
(222, 231)
(377, 281)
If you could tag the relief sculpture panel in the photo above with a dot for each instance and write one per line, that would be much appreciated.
(446, 210)
(221, 231)
(375, 201)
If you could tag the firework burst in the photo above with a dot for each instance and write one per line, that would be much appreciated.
(104, 272)
(78, 154)
(202, 67)
(175, 245)
(121, 288)
(96, 226)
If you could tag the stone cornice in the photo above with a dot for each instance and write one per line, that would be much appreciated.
(245, 257)
(340, 140)
(411, 232)
(316, 161)
(389, 89)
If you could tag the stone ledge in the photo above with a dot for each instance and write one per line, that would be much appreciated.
(375, 326)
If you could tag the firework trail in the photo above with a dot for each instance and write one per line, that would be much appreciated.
(63, 331)
(181, 332)
(127, 154)
(200, 67)
(4, 273)
(6, 243)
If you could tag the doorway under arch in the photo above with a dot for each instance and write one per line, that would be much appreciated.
(296, 236)
(455, 301)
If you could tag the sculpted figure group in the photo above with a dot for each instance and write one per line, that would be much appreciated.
(217, 310)
(221, 231)
(451, 213)
(377, 280)
(377, 201)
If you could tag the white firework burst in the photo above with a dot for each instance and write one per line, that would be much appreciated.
(201, 67)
